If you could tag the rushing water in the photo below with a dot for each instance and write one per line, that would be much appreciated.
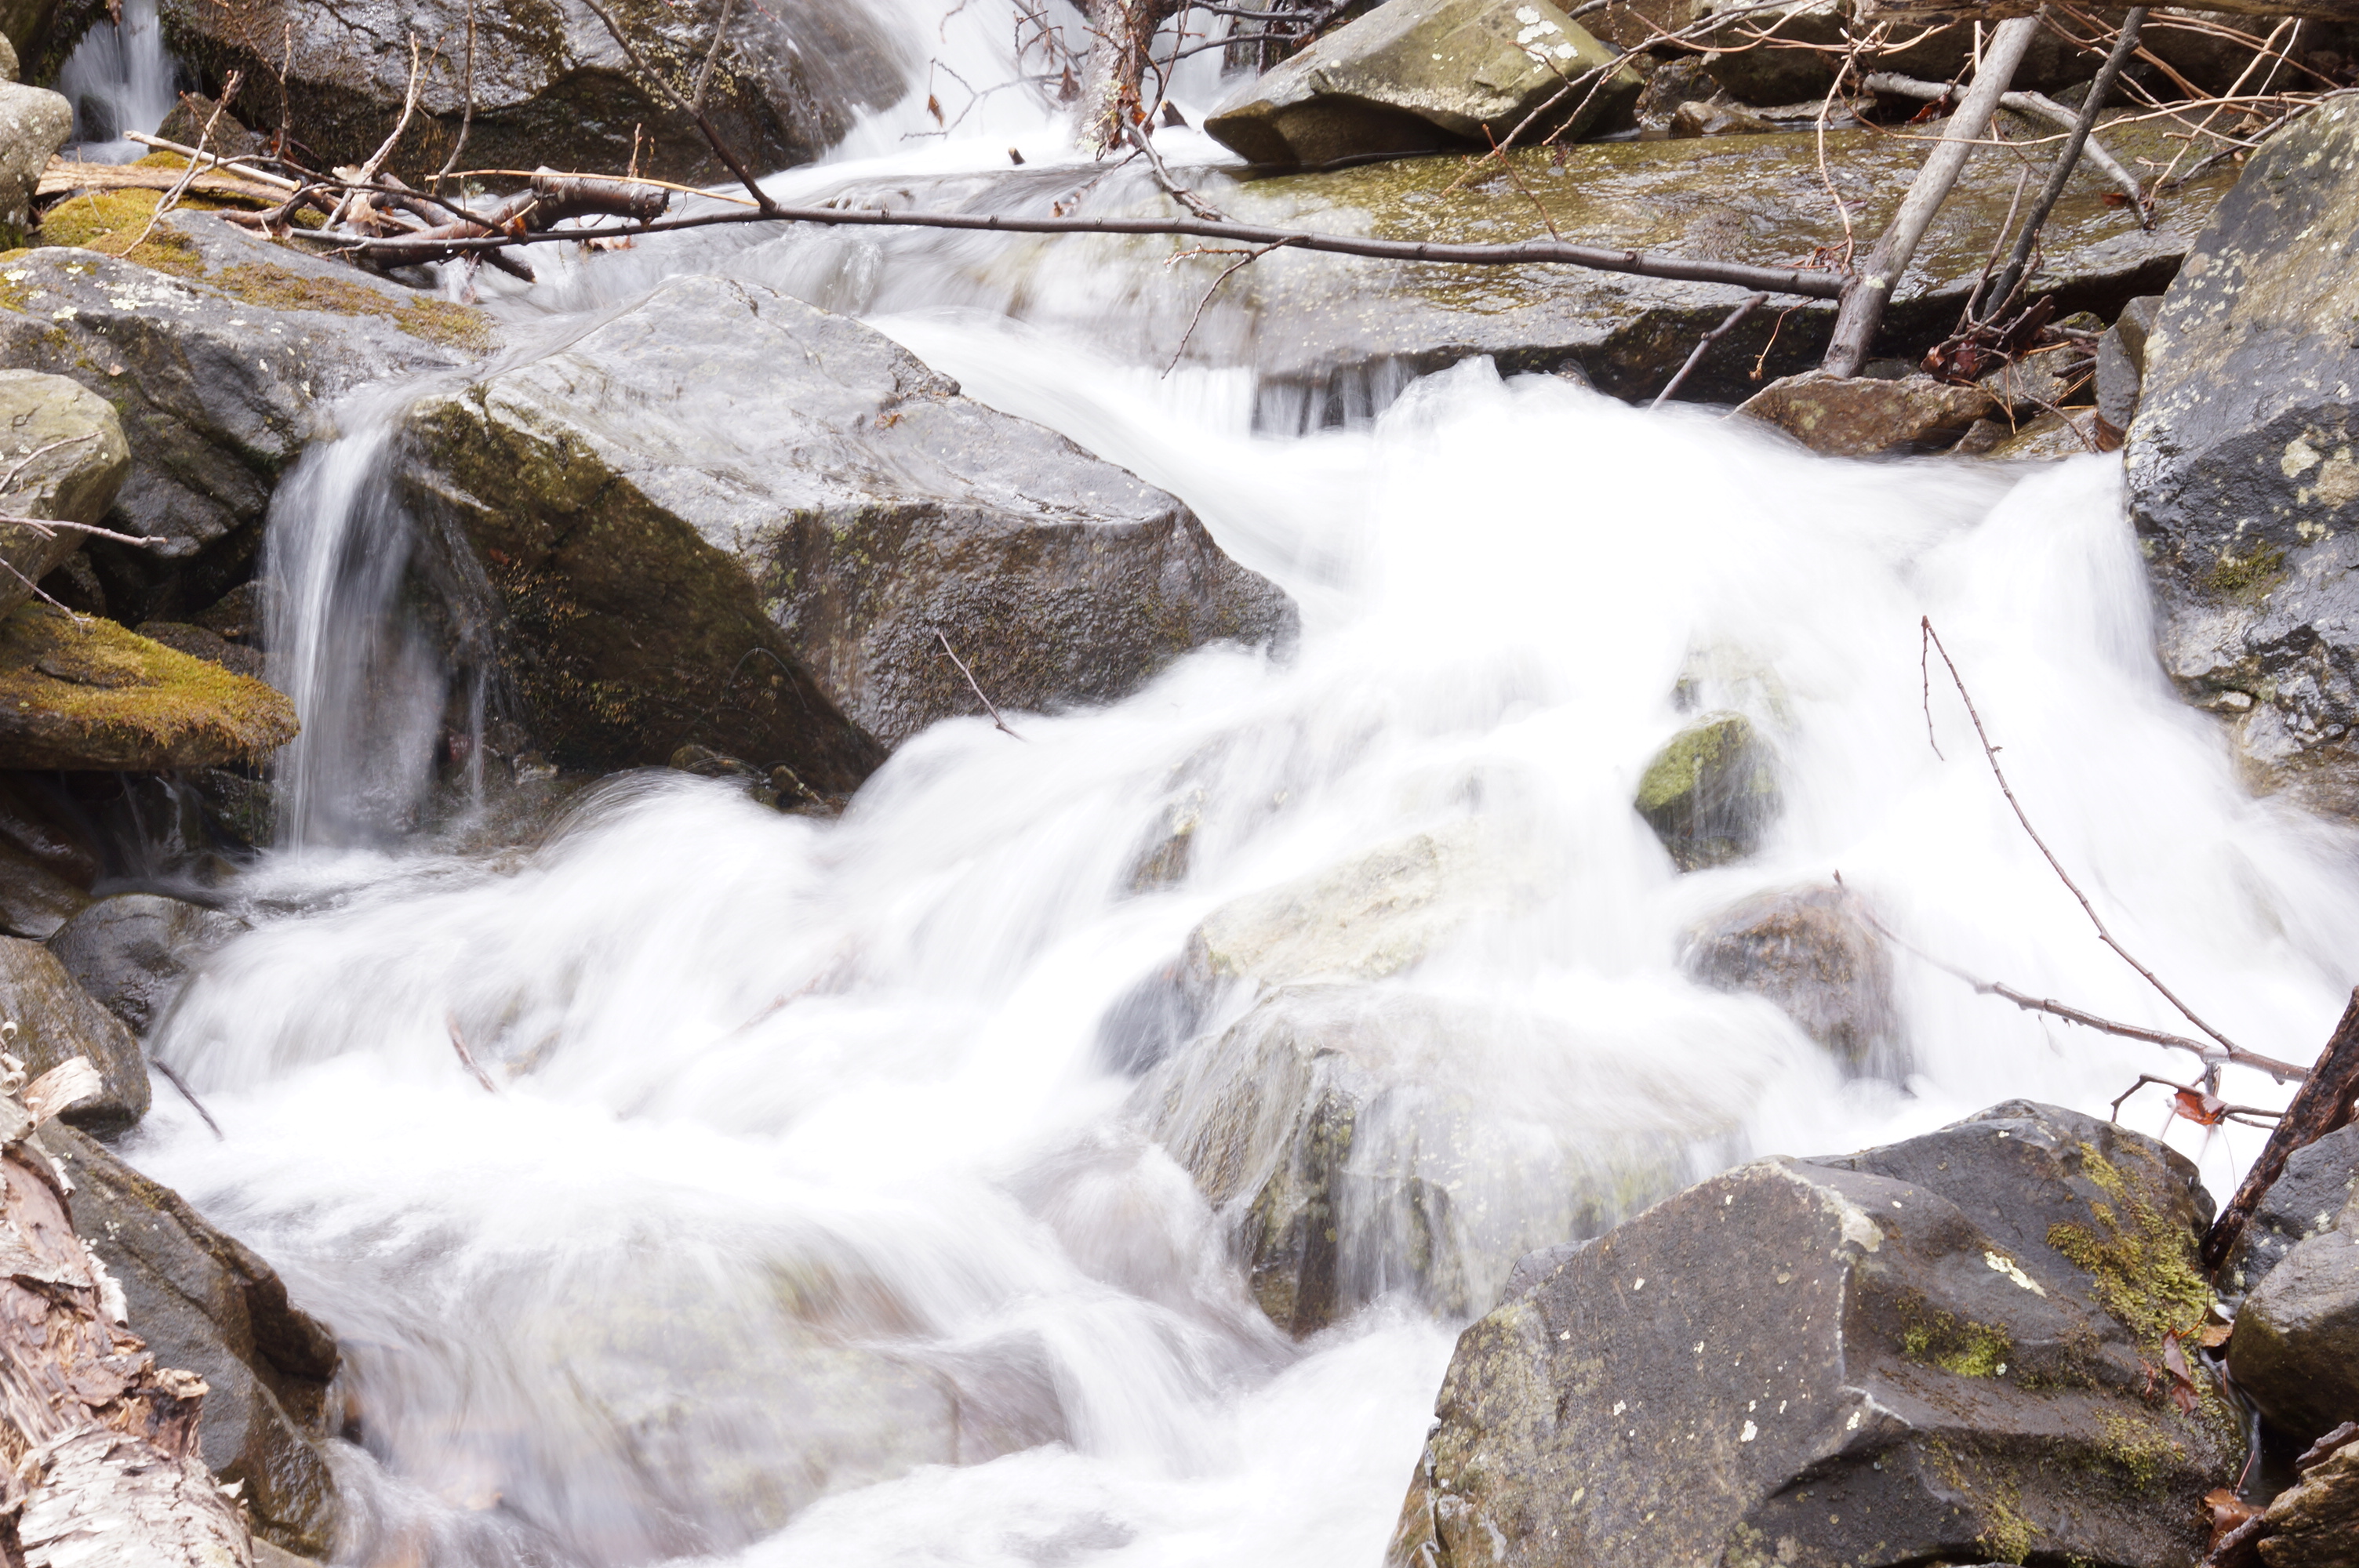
(810, 1189)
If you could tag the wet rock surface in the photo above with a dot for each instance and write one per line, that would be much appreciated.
(550, 86)
(34, 900)
(770, 564)
(205, 1302)
(2296, 1346)
(221, 353)
(1420, 75)
(132, 952)
(55, 1020)
(1939, 1351)
(2244, 482)
(1711, 791)
(62, 457)
(83, 693)
(1809, 953)
(2319, 1182)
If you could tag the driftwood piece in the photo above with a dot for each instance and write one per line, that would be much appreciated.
(64, 175)
(2322, 1104)
(99, 1445)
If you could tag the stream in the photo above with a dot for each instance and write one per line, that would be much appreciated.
(812, 1130)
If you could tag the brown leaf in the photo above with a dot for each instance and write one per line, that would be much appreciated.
(2228, 1511)
(2215, 1335)
(2204, 1110)
(934, 107)
(2182, 1378)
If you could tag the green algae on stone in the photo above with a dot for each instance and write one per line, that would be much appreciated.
(77, 692)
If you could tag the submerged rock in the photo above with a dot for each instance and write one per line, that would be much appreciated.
(1941, 1351)
(55, 1019)
(1335, 1132)
(1420, 75)
(221, 353)
(82, 693)
(2296, 1346)
(790, 536)
(1711, 791)
(132, 951)
(549, 84)
(61, 457)
(205, 1302)
(1809, 953)
(1864, 416)
(2244, 463)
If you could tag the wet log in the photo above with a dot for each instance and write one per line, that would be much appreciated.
(99, 1443)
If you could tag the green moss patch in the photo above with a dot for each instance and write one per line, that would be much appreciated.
(1955, 1344)
(281, 289)
(80, 692)
(2143, 1263)
(2248, 577)
(111, 222)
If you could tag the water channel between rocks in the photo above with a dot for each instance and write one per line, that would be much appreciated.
(816, 1221)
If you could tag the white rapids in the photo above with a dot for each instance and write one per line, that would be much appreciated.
(764, 1073)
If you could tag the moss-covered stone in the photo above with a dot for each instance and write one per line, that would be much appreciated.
(1711, 791)
(79, 692)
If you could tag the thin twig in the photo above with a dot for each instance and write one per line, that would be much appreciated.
(711, 56)
(1247, 258)
(467, 110)
(1744, 308)
(467, 1057)
(1990, 755)
(2216, 1109)
(172, 197)
(997, 721)
(719, 144)
(190, 1095)
(1171, 186)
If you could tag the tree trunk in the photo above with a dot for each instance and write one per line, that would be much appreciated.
(1113, 87)
(98, 1444)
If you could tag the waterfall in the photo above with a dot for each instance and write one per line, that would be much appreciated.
(119, 78)
(813, 1219)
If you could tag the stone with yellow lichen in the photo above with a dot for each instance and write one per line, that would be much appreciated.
(77, 692)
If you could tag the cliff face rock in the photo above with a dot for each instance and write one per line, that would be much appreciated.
(724, 517)
(2244, 462)
(1939, 1351)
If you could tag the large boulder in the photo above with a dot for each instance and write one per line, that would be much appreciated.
(34, 124)
(2296, 1346)
(221, 354)
(205, 1302)
(55, 1019)
(550, 86)
(2244, 463)
(62, 457)
(1421, 75)
(83, 693)
(724, 516)
(132, 951)
(1948, 1350)
(1339, 1134)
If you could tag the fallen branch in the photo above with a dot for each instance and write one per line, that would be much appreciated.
(1990, 755)
(173, 1078)
(2036, 104)
(1716, 334)
(2322, 1104)
(467, 1057)
(2011, 276)
(1864, 299)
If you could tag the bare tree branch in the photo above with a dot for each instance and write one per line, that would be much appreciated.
(1709, 338)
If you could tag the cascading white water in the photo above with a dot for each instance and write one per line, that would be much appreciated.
(119, 78)
(812, 1221)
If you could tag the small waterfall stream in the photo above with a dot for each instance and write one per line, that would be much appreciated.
(119, 78)
(813, 1220)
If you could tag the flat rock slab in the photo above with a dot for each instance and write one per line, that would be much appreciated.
(79, 692)
(1942, 1351)
(723, 471)
(2244, 462)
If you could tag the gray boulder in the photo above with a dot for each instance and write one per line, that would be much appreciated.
(55, 1019)
(2308, 1199)
(133, 951)
(1711, 792)
(722, 473)
(1809, 953)
(221, 360)
(1942, 1351)
(2121, 362)
(63, 458)
(34, 900)
(2296, 1346)
(2244, 482)
(206, 1303)
(551, 86)
(34, 124)
(1421, 75)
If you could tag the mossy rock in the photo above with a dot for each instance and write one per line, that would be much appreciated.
(78, 692)
(1711, 791)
